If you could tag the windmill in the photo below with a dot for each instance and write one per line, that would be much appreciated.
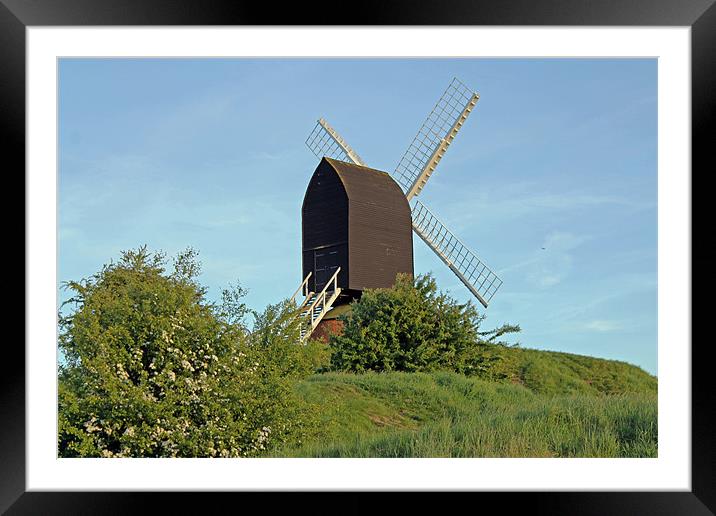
(369, 243)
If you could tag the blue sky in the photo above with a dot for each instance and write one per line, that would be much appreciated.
(559, 154)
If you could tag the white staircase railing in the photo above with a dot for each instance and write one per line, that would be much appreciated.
(303, 288)
(315, 306)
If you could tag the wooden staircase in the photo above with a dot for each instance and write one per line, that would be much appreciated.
(314, 306)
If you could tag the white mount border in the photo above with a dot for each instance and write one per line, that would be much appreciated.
(670, 471)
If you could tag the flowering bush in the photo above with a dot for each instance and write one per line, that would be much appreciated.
(151, 369)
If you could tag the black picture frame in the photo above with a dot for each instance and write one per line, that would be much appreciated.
(699, 15)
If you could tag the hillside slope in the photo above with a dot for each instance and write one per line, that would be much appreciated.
(524, 403)
(551, 372)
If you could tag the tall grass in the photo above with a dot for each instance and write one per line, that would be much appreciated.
(449, 415)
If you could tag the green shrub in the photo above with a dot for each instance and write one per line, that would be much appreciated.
(151, 369)
(413, 327)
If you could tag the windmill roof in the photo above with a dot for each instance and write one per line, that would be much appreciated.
(366, 185)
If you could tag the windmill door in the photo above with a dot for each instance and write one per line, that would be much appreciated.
(325, 261)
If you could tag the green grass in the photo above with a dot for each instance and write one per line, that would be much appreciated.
(550, 372)
(528, 403)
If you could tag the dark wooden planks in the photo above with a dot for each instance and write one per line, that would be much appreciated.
(363, 213)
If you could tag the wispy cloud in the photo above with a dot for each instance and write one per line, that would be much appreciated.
(187, 120)
(601, 325)
(267, 155)
(520, 201)
(551, 264)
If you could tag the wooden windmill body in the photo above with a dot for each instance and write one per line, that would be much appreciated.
(357, 222)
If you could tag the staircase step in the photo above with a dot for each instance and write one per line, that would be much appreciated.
(311, 314)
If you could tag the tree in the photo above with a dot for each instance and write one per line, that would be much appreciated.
(412, 327)
(151, 369)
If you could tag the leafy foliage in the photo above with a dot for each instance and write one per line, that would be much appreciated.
(413, 327)
(151, 369)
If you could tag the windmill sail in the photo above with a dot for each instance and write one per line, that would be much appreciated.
(474, 274)
(325, 141)
(413, 171)
(435, 135)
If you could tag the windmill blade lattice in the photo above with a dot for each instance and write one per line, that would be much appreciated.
(325, 141)
(434, 137)
(414, 169)
(473, 273)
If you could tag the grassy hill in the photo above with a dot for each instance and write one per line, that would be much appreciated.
(524, 403)
(550, 372)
